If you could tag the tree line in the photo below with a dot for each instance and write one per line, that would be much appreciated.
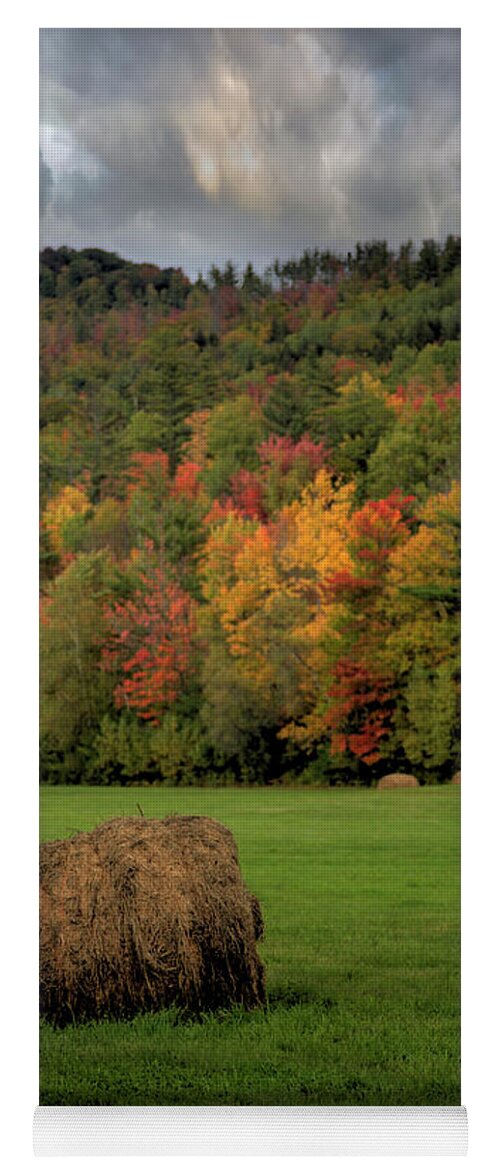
(250, 519)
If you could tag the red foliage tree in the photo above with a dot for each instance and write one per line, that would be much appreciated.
(150, 646)
(280, 452)
(186, 482)
(360, 711)
(248, 495)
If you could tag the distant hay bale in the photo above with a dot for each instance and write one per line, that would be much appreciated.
(456, 779)
(140, 914)
(398, 781)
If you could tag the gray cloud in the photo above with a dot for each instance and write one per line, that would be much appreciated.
(45, 185)
(190, 146)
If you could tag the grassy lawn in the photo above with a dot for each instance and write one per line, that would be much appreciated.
(360, 894)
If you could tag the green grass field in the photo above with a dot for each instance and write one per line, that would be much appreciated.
(360, 894)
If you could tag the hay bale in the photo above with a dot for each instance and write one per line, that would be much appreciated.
(456, 779)
(140, 914)
(398, 781)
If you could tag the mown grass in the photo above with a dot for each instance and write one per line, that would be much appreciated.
(360, 894)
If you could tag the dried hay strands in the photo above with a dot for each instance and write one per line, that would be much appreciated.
(140, 914)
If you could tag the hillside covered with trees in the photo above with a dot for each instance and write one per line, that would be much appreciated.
(250, 519)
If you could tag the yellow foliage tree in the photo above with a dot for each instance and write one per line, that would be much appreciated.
(265, 585)
(71, 501)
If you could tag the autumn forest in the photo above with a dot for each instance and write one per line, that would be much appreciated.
(250, 519)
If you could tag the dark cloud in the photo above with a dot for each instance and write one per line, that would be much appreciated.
(189, 146)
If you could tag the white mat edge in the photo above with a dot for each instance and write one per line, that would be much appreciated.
(250, 1130)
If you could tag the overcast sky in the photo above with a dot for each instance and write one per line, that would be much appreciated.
(188, 147)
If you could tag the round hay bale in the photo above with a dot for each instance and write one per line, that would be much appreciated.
(140, 914)
(398, 781)
(456, 779)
